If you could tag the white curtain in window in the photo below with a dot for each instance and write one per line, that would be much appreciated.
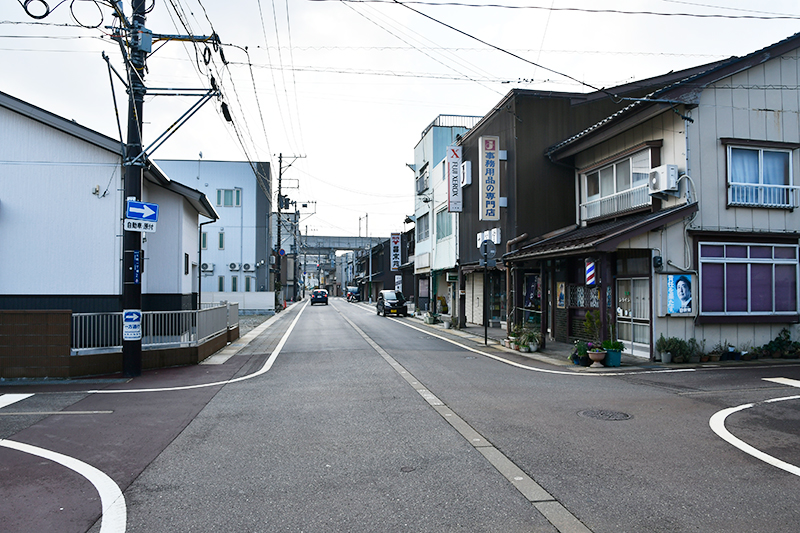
(776, 168)
(744, 166)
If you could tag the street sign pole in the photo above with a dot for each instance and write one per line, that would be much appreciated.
(132, 240)
(489, 251)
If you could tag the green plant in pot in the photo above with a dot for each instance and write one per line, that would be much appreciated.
(614, 351)
(661, 347)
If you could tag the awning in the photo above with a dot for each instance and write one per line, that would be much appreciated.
(601, 237)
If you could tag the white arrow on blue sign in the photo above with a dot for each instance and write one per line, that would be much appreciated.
(142, 211)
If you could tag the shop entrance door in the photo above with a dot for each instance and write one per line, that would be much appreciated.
(633, 315)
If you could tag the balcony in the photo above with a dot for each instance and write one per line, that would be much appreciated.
(620, 202)
(757, 195)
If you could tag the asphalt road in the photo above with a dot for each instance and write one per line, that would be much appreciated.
(335, 419)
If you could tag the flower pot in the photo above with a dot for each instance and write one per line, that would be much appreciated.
(666, 357)
(596, 358)
(714, 357)
(525, 349)
(613, 358)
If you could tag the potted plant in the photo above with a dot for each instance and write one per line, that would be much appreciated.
(613, 352)
(532, 338)
(694, 350)
(580, 354)
(661, 348)
(592, 326)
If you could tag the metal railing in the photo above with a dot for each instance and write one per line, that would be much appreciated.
(617, 203)
(102, 332)
(756, 195)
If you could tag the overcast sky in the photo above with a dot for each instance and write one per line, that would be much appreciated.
(350, 86)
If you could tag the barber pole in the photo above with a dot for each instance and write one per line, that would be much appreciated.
(590, 278)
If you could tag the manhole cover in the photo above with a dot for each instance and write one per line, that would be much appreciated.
(603, 414)
(407, 469)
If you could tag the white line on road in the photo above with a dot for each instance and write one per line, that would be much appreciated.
(267, 365)
(717, 423)
(784, 381)
(8, 399)
(114, 510)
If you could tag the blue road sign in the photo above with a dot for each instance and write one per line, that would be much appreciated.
(142, 211)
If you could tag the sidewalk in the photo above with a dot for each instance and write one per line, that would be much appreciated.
(557, 353)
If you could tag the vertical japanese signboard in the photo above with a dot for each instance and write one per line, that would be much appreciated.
(395, 251)
(454, 195)
(489, 173)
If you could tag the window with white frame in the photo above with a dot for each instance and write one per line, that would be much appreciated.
(748, 279)
(619, 186)
(221, 283)
(423, 227)
(444, 224)
(204, 241)
(760, 177)
(234, 284)
(229, 197)
(221, 240)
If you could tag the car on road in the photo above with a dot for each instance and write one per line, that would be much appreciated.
(391, 303)
(319, 296)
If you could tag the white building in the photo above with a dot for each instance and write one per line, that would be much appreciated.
(436, 228)
(234, 251)
(61, 219)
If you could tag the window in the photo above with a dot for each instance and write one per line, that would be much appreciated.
(444, 224)
(760, 177)
(221, 283)
(748, 279)
(221, 240)
(229, 197)
(422, 179)
(234, 284)
(620, 186)
(423, 227)
(204, 241)
(248, 284)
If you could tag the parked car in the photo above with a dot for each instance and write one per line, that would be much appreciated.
(319, 296)
(391, 303)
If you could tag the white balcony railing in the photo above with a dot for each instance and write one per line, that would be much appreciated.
(756, 195)
(616, 203)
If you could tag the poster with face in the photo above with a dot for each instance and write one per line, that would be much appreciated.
(679, 294)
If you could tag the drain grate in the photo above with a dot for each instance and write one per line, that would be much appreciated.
(604, 414)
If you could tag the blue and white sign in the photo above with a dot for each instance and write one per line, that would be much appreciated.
(131, 325)
(142, 211)
(141, 216)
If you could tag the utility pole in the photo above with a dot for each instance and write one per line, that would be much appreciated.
(132, 254)
(282, 202)
(139, 41)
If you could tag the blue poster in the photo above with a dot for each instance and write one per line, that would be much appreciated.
(679, 294)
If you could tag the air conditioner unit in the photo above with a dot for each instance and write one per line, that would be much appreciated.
(234, 266)
(248, 267)
(207, 267)
(664, 179)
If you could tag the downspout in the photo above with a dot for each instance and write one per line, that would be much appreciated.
(509, 244)
(200, 261)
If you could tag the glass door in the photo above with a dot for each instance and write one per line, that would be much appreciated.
(633, 315)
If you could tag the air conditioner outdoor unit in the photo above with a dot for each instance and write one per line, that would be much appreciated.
(234, 266)
(207, 267)
(664, 179)
(248, 267)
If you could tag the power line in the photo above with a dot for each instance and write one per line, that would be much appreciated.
(770, 16)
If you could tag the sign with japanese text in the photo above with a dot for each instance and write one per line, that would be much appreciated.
(489, 173)
(395, 251)
(455, 203)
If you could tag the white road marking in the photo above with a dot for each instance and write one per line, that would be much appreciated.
(784, 381)
(114, 510)
(8, 399)
(267, 365)
(717, 424)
